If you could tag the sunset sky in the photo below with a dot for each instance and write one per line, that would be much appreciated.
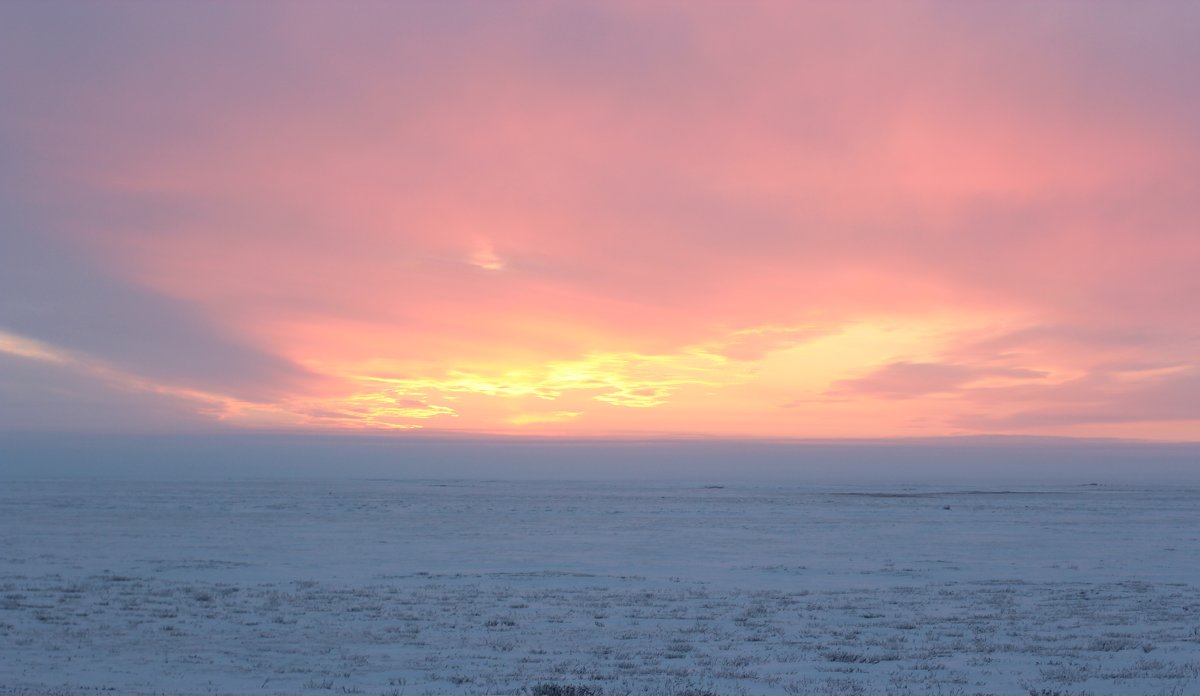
(742, 219)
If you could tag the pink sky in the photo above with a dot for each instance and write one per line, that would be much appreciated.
(766, 219)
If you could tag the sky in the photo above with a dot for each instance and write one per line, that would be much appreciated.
(601, 219)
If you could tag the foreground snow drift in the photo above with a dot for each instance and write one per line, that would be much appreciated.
(429, 588)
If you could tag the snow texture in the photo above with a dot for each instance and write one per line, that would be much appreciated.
(386, 587)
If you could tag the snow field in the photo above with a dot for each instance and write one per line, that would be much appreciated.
(415, 588)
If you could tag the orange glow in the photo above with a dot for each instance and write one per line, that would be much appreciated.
(775, 219)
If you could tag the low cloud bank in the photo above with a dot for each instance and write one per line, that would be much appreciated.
(957, 461)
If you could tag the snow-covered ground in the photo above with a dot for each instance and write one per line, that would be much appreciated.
(389, 587)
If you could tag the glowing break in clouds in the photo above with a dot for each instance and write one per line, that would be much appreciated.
(770, 219)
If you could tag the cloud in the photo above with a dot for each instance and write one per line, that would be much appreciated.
(386, 409)
(906, 380)
(543, 417)
(55, 295)
(620, 379)
(1096, 338)
(755, 343)
(1101, 398)
(51, 395)
(484, 256)
(603, 205)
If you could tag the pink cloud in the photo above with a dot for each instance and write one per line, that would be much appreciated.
(1100, 399)
(902, 380)
(418, 188)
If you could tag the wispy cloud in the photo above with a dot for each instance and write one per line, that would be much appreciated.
(659, 216)
(902, 380)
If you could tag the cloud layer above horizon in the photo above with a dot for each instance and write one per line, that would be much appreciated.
(746, 219)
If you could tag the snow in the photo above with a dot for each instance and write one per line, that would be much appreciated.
(387, 587)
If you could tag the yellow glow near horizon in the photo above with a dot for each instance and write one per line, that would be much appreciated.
(774, 367)
(476, 229)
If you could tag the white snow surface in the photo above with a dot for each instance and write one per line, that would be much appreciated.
(386, 587)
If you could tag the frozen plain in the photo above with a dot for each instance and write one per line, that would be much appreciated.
(386, 587)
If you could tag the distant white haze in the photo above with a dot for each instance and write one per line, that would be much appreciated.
(958, 461)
